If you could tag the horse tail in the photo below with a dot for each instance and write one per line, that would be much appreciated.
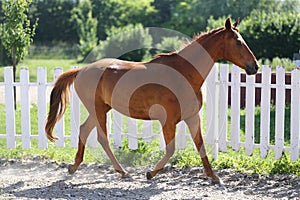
(58, 99)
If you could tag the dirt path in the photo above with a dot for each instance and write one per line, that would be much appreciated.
(45, 179)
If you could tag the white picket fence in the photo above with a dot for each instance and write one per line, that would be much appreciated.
(216, 98)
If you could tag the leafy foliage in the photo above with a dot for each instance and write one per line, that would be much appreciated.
(17, 33)
(268, 23)
(54, 20)
(128, 43)
(169, 44)
(267, 32)
(272, 31)
(86, 27)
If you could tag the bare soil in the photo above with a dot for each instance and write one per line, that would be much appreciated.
(38, 178)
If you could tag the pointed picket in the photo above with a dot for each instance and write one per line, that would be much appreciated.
(148, 130)
(10, 108)
(42, 107)
(250, 115)
(59, 128)
(181, 135)
(212, 111)
(223, 107)
(279, 114)
(25, 108)
(295, 114)
(132, 134)
(235, 107)
(117, 126)
(74, 116)
(265, 111)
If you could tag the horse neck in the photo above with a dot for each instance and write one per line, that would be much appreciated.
(201, 55)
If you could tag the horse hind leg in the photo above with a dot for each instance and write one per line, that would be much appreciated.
(169, 136)
(85, 130)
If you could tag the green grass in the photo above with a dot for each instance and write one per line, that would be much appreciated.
(149, 153)
(272, 124)
(33, 64)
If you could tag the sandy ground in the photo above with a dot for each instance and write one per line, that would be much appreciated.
(37, 178)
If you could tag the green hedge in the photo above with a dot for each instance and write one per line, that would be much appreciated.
(267, 33)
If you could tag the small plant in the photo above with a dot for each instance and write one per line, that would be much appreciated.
(285, 166)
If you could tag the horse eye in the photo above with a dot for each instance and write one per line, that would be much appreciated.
(238, 42)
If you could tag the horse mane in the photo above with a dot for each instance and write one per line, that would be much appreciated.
(203, 35)
(196, 37)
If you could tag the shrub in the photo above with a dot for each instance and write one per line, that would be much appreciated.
(128, 43)
(169, 44)
(269, 35)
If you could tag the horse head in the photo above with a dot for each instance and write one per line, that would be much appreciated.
(236, 50)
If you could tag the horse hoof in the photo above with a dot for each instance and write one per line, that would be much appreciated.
(125, 175)
(71, 169)
(217, 181)
(149, 176)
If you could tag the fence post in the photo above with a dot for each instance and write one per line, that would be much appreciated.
(42, 107)
(92, 139)
(279, 114)
(212, 111)
(295, 114)
(235, 107)
(117, 126)
(10, 108)
(162, 144)
(223, 107)
(181, 135)
(25, 107)
(108, 124)
(147, 126)
(132, 134)
(250, 115)
(59, 128)
(265, 111)
(74, 116)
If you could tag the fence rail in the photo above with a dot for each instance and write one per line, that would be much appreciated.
(216, 115)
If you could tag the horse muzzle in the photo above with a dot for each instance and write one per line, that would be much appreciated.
(252, 68)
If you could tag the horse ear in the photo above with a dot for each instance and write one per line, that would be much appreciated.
(228, 24)
(236, 23)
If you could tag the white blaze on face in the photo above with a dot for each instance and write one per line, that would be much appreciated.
(240, 38)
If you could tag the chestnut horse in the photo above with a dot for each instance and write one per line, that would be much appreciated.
(166, 88)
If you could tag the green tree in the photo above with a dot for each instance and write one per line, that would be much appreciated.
(190, 16)
(17, 33)
(169, 44)
(268, 34)
(86, 27)
(131, 42)
(54, 21)
(120, 13)
(272, 34)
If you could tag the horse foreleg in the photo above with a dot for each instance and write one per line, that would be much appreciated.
(105, 144)
(103, 140)
(195, 129)
(85, 130)
(169, 136)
